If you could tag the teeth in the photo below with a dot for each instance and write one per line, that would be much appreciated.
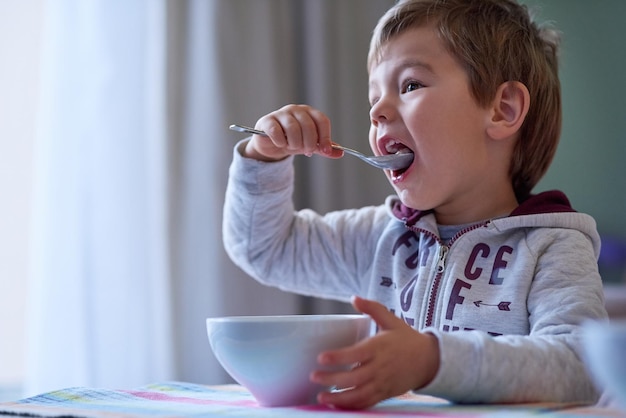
(391, 146)
(404, 151)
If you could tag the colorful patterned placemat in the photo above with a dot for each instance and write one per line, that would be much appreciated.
(177, 399)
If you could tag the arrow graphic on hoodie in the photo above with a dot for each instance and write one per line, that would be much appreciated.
(503, 306)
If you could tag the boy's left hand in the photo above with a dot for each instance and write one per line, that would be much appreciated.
(395, 360)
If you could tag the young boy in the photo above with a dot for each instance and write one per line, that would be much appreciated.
(478, 287)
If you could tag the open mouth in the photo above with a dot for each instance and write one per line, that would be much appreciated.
(395, 147)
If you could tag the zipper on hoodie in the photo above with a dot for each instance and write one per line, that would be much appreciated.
(434, 290)
(441, 265)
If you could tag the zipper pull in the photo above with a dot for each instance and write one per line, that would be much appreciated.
(441, 263)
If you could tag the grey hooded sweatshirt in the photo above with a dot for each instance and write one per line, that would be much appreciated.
(505, 297)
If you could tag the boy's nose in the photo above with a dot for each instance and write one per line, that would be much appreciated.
(381, 112)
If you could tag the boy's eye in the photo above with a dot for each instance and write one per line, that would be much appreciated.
(412, 85)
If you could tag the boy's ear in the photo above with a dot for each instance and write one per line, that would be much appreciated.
(508, 110)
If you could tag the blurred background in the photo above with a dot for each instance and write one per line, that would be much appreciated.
(114, 154)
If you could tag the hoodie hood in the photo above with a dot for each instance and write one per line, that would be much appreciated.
(552, 201)
(550, 209)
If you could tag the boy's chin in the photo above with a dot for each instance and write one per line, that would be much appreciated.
(405, 197)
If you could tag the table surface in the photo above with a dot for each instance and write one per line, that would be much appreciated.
(178, 399)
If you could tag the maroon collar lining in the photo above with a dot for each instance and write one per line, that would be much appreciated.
(552, 201)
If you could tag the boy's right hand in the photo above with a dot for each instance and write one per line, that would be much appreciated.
(293, 129)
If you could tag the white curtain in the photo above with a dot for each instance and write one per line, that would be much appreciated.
(131, 165)
(100, 309)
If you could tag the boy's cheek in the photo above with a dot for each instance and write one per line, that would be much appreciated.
(372, 138)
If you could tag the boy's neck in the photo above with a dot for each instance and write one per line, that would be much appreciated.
(494, 205)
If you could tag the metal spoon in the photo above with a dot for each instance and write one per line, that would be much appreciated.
(386, 162)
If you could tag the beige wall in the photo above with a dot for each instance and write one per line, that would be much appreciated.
(20, 33)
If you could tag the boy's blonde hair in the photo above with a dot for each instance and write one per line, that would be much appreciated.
(495, 41)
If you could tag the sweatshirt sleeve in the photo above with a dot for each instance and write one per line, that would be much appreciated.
(547, 364)
(297, 251)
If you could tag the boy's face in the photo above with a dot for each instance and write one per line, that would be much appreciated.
(421, 99)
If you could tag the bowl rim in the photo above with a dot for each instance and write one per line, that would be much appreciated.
(285, 318)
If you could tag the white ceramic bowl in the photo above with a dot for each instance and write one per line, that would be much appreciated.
(605, 352)
(273, 356)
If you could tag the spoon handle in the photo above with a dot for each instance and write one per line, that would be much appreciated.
(391, 162)
(248, 130)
